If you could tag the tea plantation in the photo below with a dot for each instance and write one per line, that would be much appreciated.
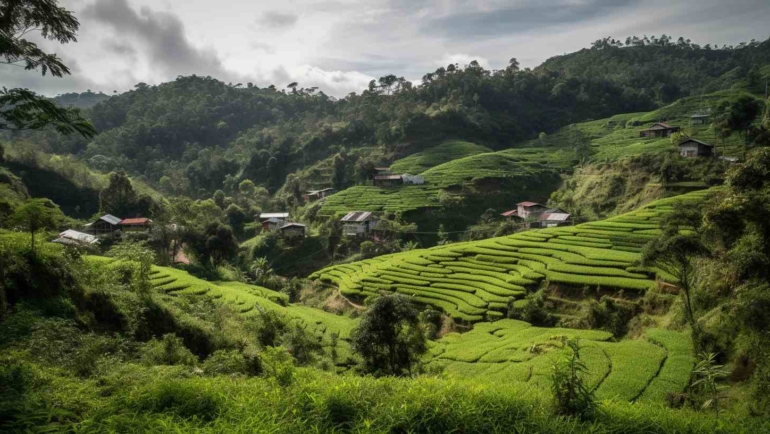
(510, 351)
(476, 281)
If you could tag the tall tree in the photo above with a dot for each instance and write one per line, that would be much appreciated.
(35, 215)
(22, 109)
(389, 337)
(119, 197)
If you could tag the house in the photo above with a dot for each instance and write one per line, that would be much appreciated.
(699, 119)
(408, 179)
(358, 223)
(692, 148)
(313, 195)
(140, 224)
(104, 225)
(273, 220)
(529, 209)
(553, 219)
(659, 129)
(74, 238)
(387, 180)
(293, 230)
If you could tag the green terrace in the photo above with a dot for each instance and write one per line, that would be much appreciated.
(510, 351)
(475, 281)
(432, 157)
(251, 300)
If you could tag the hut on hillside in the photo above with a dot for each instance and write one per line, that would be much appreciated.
(104, 225)
(293, 230)
(659, 130)
(139, 224)
(358, 223)
(273, 220)
(692, 148)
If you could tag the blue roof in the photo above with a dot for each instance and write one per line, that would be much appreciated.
(111, 219)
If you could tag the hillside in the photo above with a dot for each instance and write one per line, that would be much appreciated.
(477, 280)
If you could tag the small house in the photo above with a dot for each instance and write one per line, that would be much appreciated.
(408, 179)
(529, 209)
(104, 225)
(387, 180)
(314, 195)
(553, 219)
(692, 148)
(273, 220)
(74, 238)
(659, 129)
(140, 224)
(699, 119)
(358, 223)
(293, 230)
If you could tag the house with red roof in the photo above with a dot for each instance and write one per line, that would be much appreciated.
(138, 224)
(529, 209)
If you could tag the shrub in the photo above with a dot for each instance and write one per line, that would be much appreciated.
(182, 398)
(277, 363)
(228, 362)
(169, 350)
(572, 396)
(533, 310)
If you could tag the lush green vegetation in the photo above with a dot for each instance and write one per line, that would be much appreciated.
(431, 157)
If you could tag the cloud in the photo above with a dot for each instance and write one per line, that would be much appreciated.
(337, 83)
(161, 34)
(524, 17)
(277, 20)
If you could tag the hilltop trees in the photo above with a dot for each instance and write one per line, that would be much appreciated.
(120, 198)
(389, 337)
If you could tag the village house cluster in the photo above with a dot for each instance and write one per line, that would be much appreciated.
(106, 225)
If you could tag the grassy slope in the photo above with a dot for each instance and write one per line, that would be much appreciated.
(611, 139)
(443, 153)
(251, 300)
(475, 280)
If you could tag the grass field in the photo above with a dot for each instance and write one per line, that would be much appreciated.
(510, 351)
(443, 153)
(475, 281)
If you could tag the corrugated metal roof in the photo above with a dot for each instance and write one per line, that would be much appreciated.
(662, 125)
(278, 215)
(528, 204)
(357, 216)
(697, 141)
(511, 213)
(557, 217)
(386, 177)
(293, 225)
(81, 237)
(111, 219)
(135, 221)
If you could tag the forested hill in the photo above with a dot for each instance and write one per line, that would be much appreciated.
(663, 69)
(196, 134)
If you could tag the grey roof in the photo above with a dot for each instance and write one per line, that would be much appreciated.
(293, 225)
(111, 219)
(558, 217)
(697, 141)
(79, 237)
(358, 216)
(272, 220)
(278, 215)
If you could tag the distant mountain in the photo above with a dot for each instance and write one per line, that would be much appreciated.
(80, 100)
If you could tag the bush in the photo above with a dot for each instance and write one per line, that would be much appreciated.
(229, 362)
(169, 350)
(277, 364)
(572, 396)
(533, 310)
(182, 398)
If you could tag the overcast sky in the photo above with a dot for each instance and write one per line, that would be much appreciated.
(339, 45)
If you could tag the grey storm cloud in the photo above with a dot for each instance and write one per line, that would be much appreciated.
(277, 20)
(163, 35)
(523, 17)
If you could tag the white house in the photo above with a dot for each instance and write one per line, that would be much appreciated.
(73, 237)
(412, 179)
(273, 220)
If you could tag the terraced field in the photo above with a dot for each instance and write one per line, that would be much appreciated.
(443, 153)
(251, 300)
(514, 351)
(475, 281)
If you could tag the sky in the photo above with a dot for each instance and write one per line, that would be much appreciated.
(340, 45)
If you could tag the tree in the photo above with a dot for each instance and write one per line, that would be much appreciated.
(675, 252)
(219, 244)
(35, 215)
(22, 109)
(141, 256)
(389, 337)
(119, 197)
